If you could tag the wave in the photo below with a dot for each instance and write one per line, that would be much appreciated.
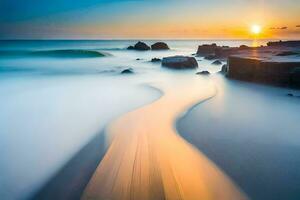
(61, 53)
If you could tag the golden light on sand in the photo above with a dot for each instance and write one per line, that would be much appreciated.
(256, 29)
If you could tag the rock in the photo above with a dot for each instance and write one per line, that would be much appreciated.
(138, 59)
(127, 71)
(224, 69)
(263, 70)
(244, 47)
(290, 95)
(140, 46)
(203, 73)
(180, 62)
(295, 43)
(155, 60)
(207, 49)
(287, 53)
(295, 77)
(217, 62)
(159, 46)
(210, 57)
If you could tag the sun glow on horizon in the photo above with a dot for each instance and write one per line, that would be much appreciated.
(256, 29)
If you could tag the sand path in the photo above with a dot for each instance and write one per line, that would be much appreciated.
(148, 160)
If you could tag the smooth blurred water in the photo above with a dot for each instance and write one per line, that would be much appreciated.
(252, 133)
(50, 107)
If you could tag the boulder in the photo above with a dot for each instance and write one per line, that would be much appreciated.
(180, 62)
(203, 73)
(127, 71)
(207, 49)
(155, 60)
(140, 46)
(159, 46)
(217, 62)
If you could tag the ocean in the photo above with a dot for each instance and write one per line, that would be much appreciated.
(56, 96)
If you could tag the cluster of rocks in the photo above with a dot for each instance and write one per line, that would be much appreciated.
(213, 51)
(155, 60)
(141, 46)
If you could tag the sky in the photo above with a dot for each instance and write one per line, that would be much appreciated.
(148, 19)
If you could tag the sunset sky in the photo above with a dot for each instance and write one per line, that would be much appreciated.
(134, 19)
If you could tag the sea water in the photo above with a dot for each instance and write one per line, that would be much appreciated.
(52, 103)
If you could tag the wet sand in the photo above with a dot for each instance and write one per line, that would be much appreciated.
(148, 160)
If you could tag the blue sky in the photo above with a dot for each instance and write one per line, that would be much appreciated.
(93, 19)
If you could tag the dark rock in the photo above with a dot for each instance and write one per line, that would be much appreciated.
(287, 53)
(203, 73)
(155, 60)
(264, 71)
(127, 71)
(217, 62)
(244, 47)
(295, 77)
(290, 95)
(210, 57)
(180, 62)
(224, 69)
(159, 46)
(140, 46)
(138, 59)
(207, 49)
(280, 43)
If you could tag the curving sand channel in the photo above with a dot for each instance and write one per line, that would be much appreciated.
(148, 160)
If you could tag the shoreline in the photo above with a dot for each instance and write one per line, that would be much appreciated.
(159, 163)
(67, 183)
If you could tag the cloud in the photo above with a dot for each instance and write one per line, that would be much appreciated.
(298, 26)
(279, 28)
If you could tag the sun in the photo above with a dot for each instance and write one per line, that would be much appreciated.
(256, 29)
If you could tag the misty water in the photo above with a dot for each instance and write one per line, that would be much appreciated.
(252, 133)
(52, 105)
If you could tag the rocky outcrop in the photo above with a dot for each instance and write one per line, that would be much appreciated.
(283, 73)
(207, 49)
(140, 46)
(287, 53)
(155, 60)
(203, 73)
(127, 71)
(295, 43)
(180, 62)
(160, 46)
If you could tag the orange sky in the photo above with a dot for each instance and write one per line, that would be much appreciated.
(170, 19)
